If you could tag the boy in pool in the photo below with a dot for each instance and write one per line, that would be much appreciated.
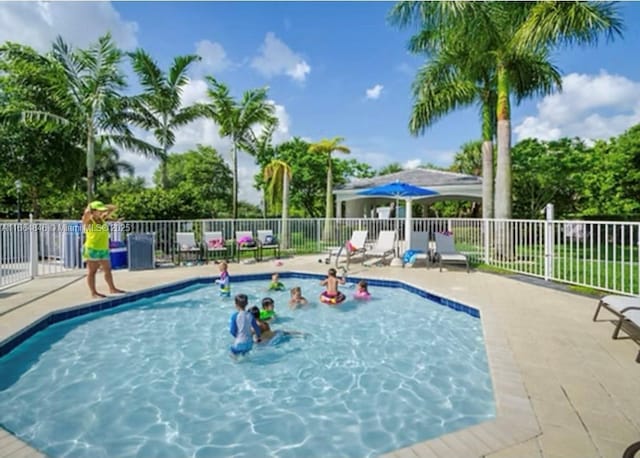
(240, 326)
(296, 298)
(224, 280)
(268, 309)
(331, 295)
(276, 284)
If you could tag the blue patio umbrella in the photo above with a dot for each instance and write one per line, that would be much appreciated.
(400, 190)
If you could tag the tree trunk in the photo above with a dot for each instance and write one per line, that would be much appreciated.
(487, 160)
(234, 160)
(164, 158)
(503, 169)
(329, 210)
(284, 235)
(504, 249)
(91, 163)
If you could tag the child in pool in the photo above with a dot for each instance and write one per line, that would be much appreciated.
(331, 295)
(297, 299)
(276, 284)
(223, 280)
(362, 290)
(268, 336)
(268, 309)
(240, 326)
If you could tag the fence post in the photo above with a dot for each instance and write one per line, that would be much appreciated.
(548, 242)
(318, 235)
(485, 223)
(33, 248)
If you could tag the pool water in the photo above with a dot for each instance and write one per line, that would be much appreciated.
(154, 378)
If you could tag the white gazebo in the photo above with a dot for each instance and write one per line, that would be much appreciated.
(448, 185)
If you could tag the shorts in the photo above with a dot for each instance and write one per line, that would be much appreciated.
(241, 348)
(92, 254)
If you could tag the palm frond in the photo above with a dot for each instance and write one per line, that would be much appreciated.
(148, 71)
(178, 72)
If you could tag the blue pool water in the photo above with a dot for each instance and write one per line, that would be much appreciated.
(154, 379)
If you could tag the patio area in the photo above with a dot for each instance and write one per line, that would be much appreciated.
(563, 387)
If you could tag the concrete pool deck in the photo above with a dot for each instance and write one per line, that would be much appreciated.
(563, 387)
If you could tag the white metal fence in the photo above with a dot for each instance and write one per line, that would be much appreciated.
(600, 255)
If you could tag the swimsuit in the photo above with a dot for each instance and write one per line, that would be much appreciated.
(276, 286)
(223, 281)
(96, 244)
(240, 327)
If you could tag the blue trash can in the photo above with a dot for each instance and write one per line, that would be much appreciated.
(118, 255)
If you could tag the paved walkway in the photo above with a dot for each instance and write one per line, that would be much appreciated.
(564, 388)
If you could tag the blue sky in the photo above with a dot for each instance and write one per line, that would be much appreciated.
(320, 58)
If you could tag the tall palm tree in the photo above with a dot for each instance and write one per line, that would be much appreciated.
(237, 120)
(327, 146)
(277, 175)
(502, 32)
(159, 107)
(89, 95)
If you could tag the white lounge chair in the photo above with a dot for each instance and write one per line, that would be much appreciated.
(187, 245)
(356, 243)
(616, 304)
(268, 242)
(241, 247)
(384, 246)
(446, 251)
(215, 245)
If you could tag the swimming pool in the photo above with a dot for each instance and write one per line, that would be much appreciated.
(153, 378)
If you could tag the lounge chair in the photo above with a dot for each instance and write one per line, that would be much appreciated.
(354, 247)
(418, 249)
(187, 246)
(627, 312)
(384, 246)
(215, 245)
(446, 251)
(267, 241)
(616, 305)
(241, 247)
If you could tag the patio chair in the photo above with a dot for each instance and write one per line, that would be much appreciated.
(616, 305)
(267, 241)
(384, 246)
(353, 247)
(629, 322)
(446, 251)
(215, 245)
(242, 247)
(418, 249)
(187, 246)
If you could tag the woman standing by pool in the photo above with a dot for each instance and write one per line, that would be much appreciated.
(95, 251)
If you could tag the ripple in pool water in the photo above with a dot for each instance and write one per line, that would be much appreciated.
(155, 379)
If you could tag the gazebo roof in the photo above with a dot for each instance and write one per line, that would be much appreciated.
(418, 177)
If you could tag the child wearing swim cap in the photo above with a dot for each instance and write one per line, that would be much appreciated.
(268, 309)
(276, 284)
(224, 280)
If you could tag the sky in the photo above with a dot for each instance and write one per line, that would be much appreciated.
(333, 69)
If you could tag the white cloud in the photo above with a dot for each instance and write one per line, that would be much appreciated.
(80, 23)
(412, 164)
(589, 106)
(406, 69)
(374, 92)
(214, 57)
(205, 132)
(276, 58)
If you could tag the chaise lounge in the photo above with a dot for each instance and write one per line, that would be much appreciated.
(446, 251)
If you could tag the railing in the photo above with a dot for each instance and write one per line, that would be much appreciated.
(599, 255)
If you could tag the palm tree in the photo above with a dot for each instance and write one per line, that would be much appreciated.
(504, 33)
(327, 146)
(159, 107)
(109, 166)
(277, 175)
(88, 93)
(237, 120)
